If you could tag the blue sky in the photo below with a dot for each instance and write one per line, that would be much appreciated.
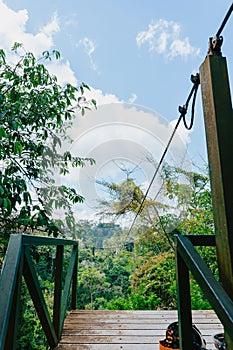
(138, 52)
(98, 38)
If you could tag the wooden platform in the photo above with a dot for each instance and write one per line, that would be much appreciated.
(128, 330)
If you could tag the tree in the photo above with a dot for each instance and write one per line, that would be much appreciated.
(183, 202)
(152, 282)
(127, 200)
(92, 285)
(35, 113)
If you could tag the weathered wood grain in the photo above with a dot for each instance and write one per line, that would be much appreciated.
(128, 330)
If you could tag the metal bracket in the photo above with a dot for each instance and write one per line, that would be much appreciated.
(215, 44)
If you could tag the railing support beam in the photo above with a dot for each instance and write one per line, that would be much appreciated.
(74, 285)
(184, 303)
(58, 289)
(217, 296)
(38, 299)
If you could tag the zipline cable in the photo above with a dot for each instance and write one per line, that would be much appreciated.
(183, 111)
(224, 21)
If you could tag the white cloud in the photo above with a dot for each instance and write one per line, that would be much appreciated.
(182, 132)
(89, 48)
(44, 39)
(71, 20)
(164, 37)
(63, 72)
(119, 133)
(13, 28)
(52, 27)
(100, 97)
(11, 24)
(106, 98)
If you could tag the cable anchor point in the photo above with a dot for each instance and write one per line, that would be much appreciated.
(215, 44)
(195, 79)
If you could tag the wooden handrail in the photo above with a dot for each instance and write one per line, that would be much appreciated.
(188, 259)
(18, 263)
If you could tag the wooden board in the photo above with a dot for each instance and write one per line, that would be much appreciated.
(128, 330)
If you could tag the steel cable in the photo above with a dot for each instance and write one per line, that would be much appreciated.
(224, 22)
(183, 111)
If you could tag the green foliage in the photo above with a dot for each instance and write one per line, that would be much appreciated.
(30, 333)
(198, 300)
(35, 112)
(125, 198)
(152, 281)
(155, 279)
(199, 214)
(103, 275)
(94, 235)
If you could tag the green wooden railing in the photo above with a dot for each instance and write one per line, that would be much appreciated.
(188, 259)
(18, 262)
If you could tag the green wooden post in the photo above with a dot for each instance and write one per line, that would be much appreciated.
(74, 284)
(58, 290)
(218, 116)
(9, 289)
(184, 303)
(12, 332)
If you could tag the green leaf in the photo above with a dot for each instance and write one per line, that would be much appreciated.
(56, 54)
(7, 205)
(86, 86)
(46, 55)
(18, 148)
(16, 46)
(1, 190)
(3, 55)
(67, 156)
(2, 132)
(82, 89)
(27, 197)
(94, 103)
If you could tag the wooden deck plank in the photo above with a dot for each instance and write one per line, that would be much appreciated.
(136, 321)
(128, 330)
(133, 313)
(106, 347)
(139, 326)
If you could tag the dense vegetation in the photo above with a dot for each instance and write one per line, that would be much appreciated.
(124, 273)
(118, 269)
